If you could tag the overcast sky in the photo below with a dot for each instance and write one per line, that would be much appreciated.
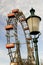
(24, 5)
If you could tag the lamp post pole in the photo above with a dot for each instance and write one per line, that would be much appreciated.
(35, 40)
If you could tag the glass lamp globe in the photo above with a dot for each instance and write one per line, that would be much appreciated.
(33, 22)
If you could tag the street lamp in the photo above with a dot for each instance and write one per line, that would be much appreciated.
(33, 24)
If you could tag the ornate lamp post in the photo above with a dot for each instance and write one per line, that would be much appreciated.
(33, 24)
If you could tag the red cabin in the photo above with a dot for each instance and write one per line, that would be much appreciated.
(11, 15)
(22, 19)
(26, 28)
(11, 45)
(9, 27)
(14, 63)
(29, 38)
(15, 10)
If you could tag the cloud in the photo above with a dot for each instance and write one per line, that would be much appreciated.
(4, 59)
(23, 5)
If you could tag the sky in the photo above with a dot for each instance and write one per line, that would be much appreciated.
(24, 5)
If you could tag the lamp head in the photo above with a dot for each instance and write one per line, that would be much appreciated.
(33, 22)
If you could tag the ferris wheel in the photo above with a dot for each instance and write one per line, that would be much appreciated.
(15, 17)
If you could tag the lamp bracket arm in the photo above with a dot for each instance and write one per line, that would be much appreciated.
(38, 35)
